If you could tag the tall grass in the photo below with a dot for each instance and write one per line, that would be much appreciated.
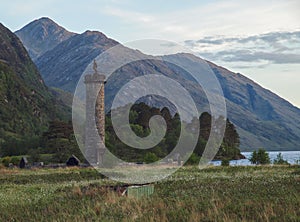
(256, 193)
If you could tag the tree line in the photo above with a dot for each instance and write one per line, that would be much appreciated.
(60, 142)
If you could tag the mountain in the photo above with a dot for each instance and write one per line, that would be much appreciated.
(42, 35)
(26, 105)
(263, 119)
(72, 56)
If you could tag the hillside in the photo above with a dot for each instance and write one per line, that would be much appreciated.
(26, 104)
(263, 119)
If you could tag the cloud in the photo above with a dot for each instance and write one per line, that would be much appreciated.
(246, 56)
(210, 40)
(273, 47)
(271, 38)
(180, 21)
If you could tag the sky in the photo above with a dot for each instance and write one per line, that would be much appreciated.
(260, 39)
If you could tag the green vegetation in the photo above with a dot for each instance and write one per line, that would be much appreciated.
(193, 160)
(26, 105)
(139, 121)
(5, 161)
(260, 157)
(225, 162)
(150, 158)
(279, 160)
(55, 145)
(59, 140)
(253, 193)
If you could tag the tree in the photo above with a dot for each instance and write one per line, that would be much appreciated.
(193, 160)
(260, 157)
(279, 160)
(140, 115)
(60, 141)
(15, 146)
(225, 162)
(253, 158)
(231, 136)
(34, 155)
(150, 158)
(64, 148)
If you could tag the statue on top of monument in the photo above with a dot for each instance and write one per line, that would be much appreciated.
(95, 67)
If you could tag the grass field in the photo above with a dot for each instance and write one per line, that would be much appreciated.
(253, 193)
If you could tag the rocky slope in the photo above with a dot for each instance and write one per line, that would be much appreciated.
(263, 119)
(42, 35)
(71, 56)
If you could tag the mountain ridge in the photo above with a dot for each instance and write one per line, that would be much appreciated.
(263, 119)
(84, 47)
(42, 34)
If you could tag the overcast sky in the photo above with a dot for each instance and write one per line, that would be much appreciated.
(260, 39)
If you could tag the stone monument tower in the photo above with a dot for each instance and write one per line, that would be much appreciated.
(95, 117)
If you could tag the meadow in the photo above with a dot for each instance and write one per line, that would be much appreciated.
(236, 193)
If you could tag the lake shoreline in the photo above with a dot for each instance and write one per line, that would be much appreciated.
(293, 157)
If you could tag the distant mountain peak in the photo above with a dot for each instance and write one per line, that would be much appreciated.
(42, 35)
(44, 19)
(91, 32)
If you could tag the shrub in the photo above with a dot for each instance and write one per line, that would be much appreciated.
(150, 158)
(279, 160)
(260, 157)
(193, 160)
(34, 155)
(225, 162)
(15, 160)
(6, 160)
